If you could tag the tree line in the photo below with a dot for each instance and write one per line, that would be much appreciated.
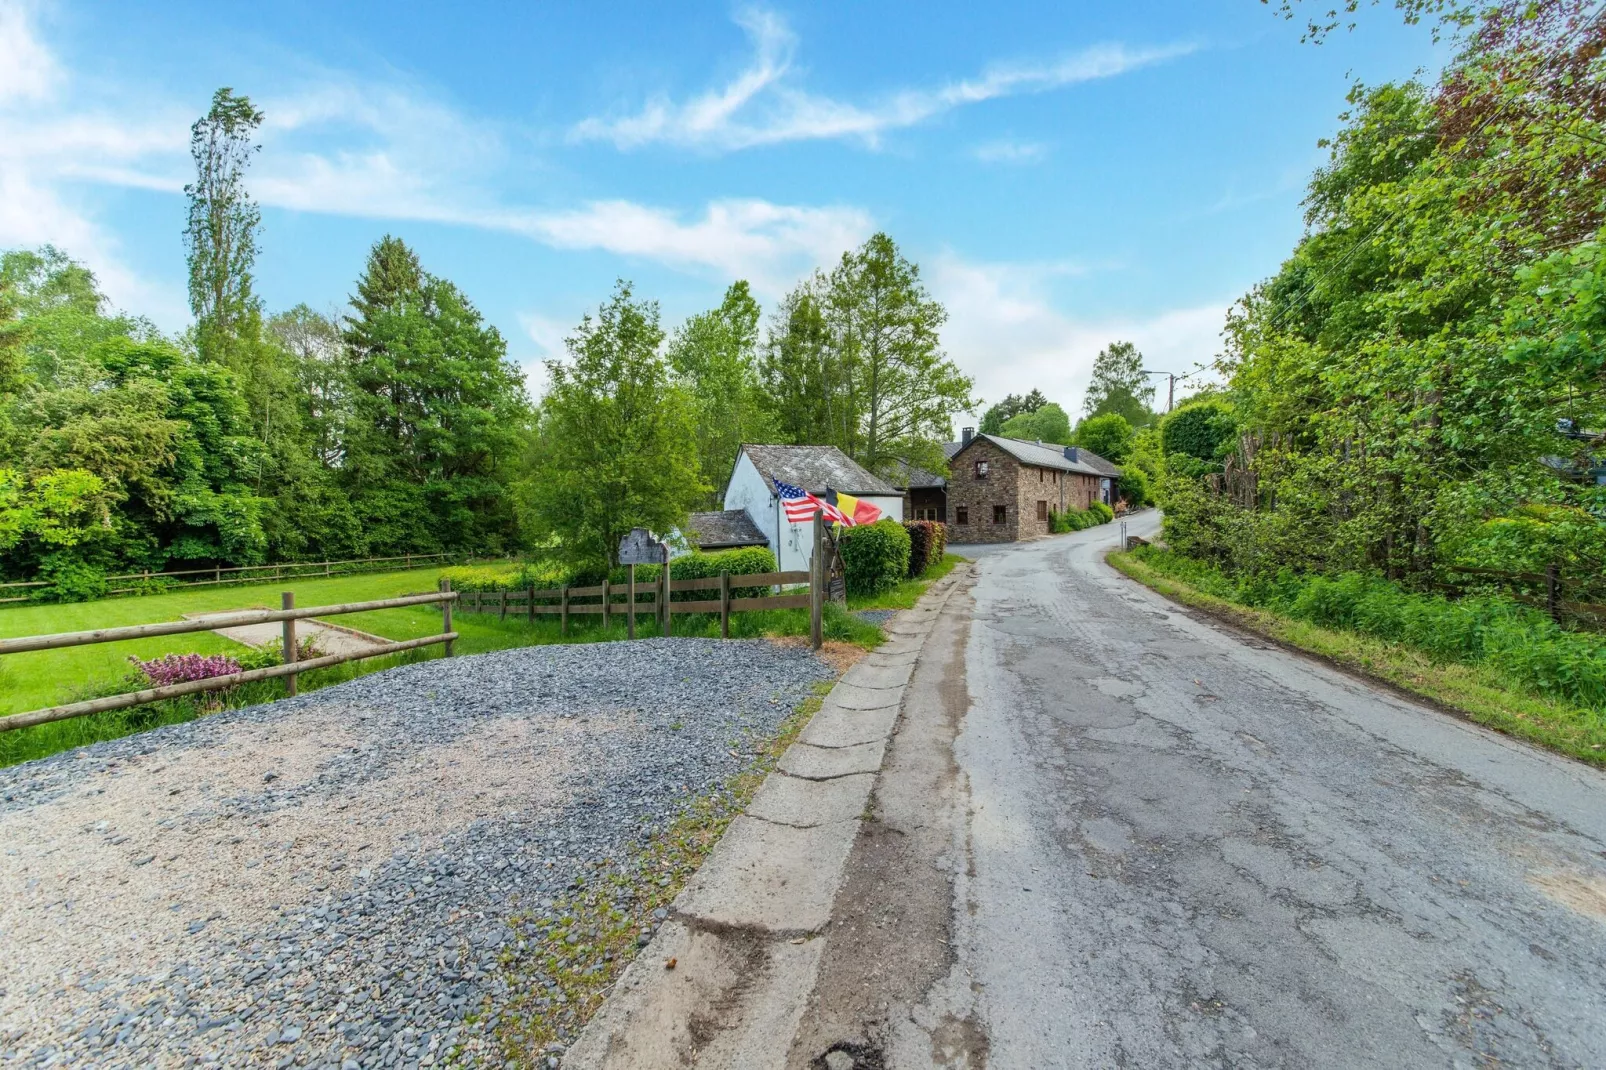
(1423, 382)
(399, 424)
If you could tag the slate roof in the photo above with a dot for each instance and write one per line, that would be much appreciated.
(1049, 455)
(951, 448)
(723, 530)
(814, 468)
(909, 476)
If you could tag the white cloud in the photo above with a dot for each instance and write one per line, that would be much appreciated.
(1006, 150)
(1002, 330)
(762, 106)
(27, 69)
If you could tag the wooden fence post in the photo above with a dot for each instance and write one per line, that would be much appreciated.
(288, 601)
(504, 603)
(563, 611)
(446, 614)
(606, 596)
(630, 606)
(665, 625)
(724, 605)
(530, 605)
(817, 580)
(1553, 591)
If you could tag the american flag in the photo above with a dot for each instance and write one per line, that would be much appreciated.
(800, 505)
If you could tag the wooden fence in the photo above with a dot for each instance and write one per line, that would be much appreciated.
(1546, 590)
(290, 668)
(285, 570)
(646, 599)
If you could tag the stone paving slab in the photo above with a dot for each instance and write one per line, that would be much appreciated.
(790, 800)
(820, 763)
(770, 876)
(876, 676)
(838, 728)
(865, 698)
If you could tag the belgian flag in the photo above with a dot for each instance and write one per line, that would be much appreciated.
(850, 510)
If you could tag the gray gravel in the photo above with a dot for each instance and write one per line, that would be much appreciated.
(381, 966)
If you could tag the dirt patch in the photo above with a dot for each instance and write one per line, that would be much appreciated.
(114, 876)
(840, 656)
(1584, 893)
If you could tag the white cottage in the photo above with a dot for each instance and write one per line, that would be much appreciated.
(752, 490)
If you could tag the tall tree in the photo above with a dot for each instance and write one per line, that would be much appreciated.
(885, 325)
(220, 236)
(616, 446)
(807, 388)
(1119, 385)
(1047, 423)
(715, 355)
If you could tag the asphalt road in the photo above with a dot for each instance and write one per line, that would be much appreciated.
(1176, 846)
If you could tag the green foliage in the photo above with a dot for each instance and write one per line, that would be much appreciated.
(1202, 430)
(1108, 435)
(220, 237)
(1103, 512)
(714, 355)
(1046, 423)
(1521, 644)
(993, 420)
(1132, 486)
(875, 556)
(617, 445)
(1119, 386)
(1080, 519)
(853, 360)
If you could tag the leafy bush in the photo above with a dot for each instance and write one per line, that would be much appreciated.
(745, 560)
(1520, 643)
(483, 577)
(1133, 486)
(939, 540)
(1078, 519)
(923, 550)
(71, 579)
(875, 556)
(1103, 512)
(1203, 430)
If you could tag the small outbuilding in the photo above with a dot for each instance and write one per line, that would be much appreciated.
(724, 529)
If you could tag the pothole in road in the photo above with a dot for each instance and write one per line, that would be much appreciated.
(845, 1055)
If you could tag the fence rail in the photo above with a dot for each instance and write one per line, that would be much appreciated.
(290, 668)
(633, 600)
(1553, 582)
(233, 574)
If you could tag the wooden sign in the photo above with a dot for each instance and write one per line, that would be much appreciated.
(640, 548)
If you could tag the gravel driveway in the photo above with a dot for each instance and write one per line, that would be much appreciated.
(328, 880)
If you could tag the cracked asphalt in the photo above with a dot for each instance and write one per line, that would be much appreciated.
(1176, 846)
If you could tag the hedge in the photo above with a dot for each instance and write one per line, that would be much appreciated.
(1077, 519)
(875, 556)
(927, 541)
(544, 575)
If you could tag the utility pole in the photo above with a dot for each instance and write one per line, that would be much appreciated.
(1170, 389)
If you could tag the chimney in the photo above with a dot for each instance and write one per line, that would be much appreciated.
(966, 434)
(1072, 454)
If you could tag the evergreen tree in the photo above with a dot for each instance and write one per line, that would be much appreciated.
(220, 236)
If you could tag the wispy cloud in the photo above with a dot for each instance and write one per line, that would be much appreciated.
(762, 105)
(1007, 150)
(345, 147)
(1006, 332)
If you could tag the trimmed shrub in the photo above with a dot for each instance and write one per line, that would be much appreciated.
(745, 560)
(922, 545)
(876, 556)
(939, 538)
(1103, 512)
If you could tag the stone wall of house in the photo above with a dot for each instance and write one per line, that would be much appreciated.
(978, 497)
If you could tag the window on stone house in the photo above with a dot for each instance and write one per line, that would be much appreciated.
(1040, 476)
(961, 514)
(999, 513)
(1042, 510)
(981, 469)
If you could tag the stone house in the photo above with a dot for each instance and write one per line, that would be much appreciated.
(1002, 489)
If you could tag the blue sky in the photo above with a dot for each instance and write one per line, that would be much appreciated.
(1065, 175)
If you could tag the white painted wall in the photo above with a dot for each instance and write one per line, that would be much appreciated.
(793, 543)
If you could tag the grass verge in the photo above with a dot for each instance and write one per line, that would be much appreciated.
(574, 952)
(1474, 691)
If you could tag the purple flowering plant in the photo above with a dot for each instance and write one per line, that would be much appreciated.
(182, 668)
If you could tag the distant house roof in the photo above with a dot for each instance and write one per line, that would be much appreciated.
(1049, 455)
(814, 468)
(951, 448)
(724, 530)
(910, 477)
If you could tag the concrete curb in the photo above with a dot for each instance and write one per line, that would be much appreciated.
(748, 930)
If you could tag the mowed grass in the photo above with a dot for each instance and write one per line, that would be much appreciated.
(44, 678)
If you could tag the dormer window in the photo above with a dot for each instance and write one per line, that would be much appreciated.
(981, 469)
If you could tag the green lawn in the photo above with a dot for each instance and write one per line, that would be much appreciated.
(48, 677)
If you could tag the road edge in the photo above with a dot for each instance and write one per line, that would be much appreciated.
(726, 979)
